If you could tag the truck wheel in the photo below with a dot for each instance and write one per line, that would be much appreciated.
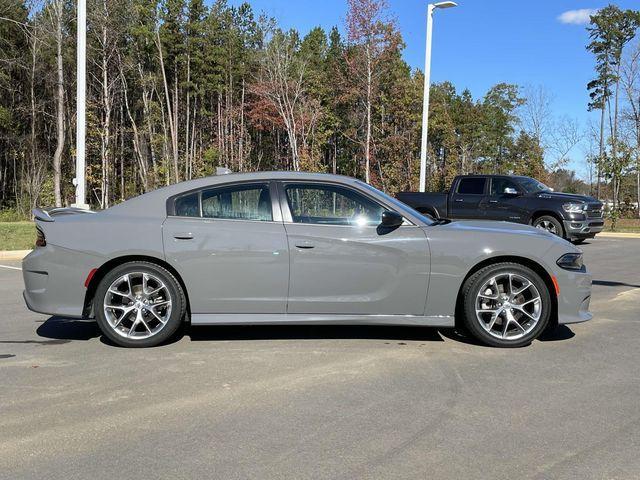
(550, 224)
(506, 305)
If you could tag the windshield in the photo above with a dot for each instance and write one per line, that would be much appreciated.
(401, 207)
(532, 185)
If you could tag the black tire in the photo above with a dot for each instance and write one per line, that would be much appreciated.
(471, 289)
(177, 297)
(578, 241)
(553, 222)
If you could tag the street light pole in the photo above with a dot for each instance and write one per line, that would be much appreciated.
(81, 83)
(427, 81)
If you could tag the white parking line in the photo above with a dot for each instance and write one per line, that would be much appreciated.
(10, 268)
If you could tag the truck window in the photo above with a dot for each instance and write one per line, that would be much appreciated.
(499, 184)
(472, 186)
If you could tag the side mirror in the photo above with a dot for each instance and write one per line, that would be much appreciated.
(391, 219)
(510, 191)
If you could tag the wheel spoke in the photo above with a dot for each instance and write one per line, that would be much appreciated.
(142, 320)
(494, 317)
(505, 327)
(160, 304)
(135, 323)
(524, 287)
(158, 317)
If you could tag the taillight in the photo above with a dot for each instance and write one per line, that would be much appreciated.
(40, 240)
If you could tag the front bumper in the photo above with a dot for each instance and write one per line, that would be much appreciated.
(588, 228)
(574, 298)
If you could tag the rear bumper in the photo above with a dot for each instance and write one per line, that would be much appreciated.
(54, 280)
(583, 228)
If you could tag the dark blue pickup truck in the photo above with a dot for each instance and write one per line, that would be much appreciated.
(513, 199)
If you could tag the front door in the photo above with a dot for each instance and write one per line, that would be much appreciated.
(230, 247)
(500, 205)
(342, 262)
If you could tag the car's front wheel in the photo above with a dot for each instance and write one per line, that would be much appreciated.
(139, 304)
(506, 305)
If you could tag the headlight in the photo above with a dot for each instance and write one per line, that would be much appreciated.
(574, 207)
(571, 261)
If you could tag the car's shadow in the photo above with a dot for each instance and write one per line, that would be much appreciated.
(313, 332)
(66, 329)
(61, 328)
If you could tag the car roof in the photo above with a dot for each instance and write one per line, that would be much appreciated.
(154, 203)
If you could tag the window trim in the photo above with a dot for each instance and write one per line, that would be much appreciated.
(276, 213)
(510, 179)
(484, 187)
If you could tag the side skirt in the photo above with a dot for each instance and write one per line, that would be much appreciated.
(319, 319)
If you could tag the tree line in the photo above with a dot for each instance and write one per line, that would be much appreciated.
(176, 88)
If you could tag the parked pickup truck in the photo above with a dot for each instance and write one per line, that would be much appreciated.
(513, 199)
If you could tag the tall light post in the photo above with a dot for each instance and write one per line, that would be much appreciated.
(81, 84)
(425, 101)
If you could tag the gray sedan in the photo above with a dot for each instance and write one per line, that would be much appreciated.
(297, 248)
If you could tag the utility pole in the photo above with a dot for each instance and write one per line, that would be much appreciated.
(427, 81)
(81, 85)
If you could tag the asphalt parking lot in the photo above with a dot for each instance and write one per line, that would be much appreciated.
(326, 402)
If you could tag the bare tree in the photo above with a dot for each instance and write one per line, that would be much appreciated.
(282, 85)
(371, 36)
(535, 113)
(563, 136)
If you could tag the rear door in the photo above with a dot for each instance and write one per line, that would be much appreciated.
(230, 247)
(465, 200)
(342, 263)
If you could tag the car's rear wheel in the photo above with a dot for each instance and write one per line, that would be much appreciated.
(506, 305)
(550, 224)
(139, 304)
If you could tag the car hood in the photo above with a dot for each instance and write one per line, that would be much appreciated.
(569, 197)
(491, 226)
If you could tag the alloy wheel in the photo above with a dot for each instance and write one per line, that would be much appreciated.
(137, 305)
(508, 306)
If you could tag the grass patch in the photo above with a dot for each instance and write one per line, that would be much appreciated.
(17, 235)
(630, 225)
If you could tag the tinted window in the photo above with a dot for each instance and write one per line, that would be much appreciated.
(499, 184)
(329, 205)
(188, 206)
(531, 185)
(242, 202)
(472, 186)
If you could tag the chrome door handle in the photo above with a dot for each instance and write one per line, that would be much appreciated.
(459, 200)
(183, 236)
(493, 201)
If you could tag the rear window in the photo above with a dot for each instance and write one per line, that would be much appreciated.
(472, 186)
(188, 206)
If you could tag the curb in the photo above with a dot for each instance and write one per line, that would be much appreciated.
(13, 254)
(618, 235)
